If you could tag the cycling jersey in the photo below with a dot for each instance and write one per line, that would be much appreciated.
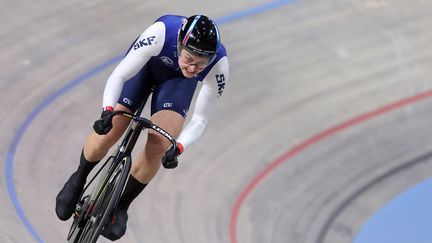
(151, 65)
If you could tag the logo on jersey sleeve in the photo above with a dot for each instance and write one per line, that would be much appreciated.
(220, 78)
(145, 42)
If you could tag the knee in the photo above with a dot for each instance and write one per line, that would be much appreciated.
(156, 144)
(96, 146)
(105, 141)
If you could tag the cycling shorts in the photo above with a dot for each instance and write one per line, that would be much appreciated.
(170, 90)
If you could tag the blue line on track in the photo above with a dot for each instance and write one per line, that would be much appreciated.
(69, 86)
(22, 129)
(252, 11)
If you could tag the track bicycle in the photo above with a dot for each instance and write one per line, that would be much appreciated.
(94, 210)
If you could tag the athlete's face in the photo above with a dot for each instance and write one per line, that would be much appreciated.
(191, 64)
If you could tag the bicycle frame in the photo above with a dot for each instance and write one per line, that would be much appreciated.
(130, 139)
(123, 150)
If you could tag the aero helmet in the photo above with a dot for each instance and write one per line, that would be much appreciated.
(199, 35)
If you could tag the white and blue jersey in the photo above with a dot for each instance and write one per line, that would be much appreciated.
(151, 66)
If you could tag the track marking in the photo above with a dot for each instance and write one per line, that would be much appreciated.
(309, 142)
(346, 202)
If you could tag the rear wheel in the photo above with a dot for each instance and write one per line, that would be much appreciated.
(102, 209)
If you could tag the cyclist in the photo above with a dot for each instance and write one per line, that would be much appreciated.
(168, 60)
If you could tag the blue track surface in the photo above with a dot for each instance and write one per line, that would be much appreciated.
(405, 219)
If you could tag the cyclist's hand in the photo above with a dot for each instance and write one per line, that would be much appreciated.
(103, 125)
(169, 160)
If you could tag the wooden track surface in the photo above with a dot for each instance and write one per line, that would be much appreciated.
(297, 70)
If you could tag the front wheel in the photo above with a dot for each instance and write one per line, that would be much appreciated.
(103, 207)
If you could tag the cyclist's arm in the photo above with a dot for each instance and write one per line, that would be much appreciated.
(212, 89)
(149, 44)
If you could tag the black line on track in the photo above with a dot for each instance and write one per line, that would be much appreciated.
(334, 215)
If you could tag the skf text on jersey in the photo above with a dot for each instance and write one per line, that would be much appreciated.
(144, 42)
(220, 78)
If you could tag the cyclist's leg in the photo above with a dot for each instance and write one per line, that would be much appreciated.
(96, 146)
(144, 168)
(148, 161)
(134, 92)
(170, 103)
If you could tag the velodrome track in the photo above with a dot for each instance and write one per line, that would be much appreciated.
(326, 117)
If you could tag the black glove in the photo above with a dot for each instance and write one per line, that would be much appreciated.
(104, 124)
(169, 160)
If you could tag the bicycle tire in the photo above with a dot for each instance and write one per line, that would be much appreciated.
(79, 221)
(75, 231)
(105, 205)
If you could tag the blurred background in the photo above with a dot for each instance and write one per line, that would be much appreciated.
(322, 134)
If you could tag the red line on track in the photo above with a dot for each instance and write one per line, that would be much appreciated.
(314, 139)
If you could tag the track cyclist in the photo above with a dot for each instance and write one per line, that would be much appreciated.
(167, 60)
